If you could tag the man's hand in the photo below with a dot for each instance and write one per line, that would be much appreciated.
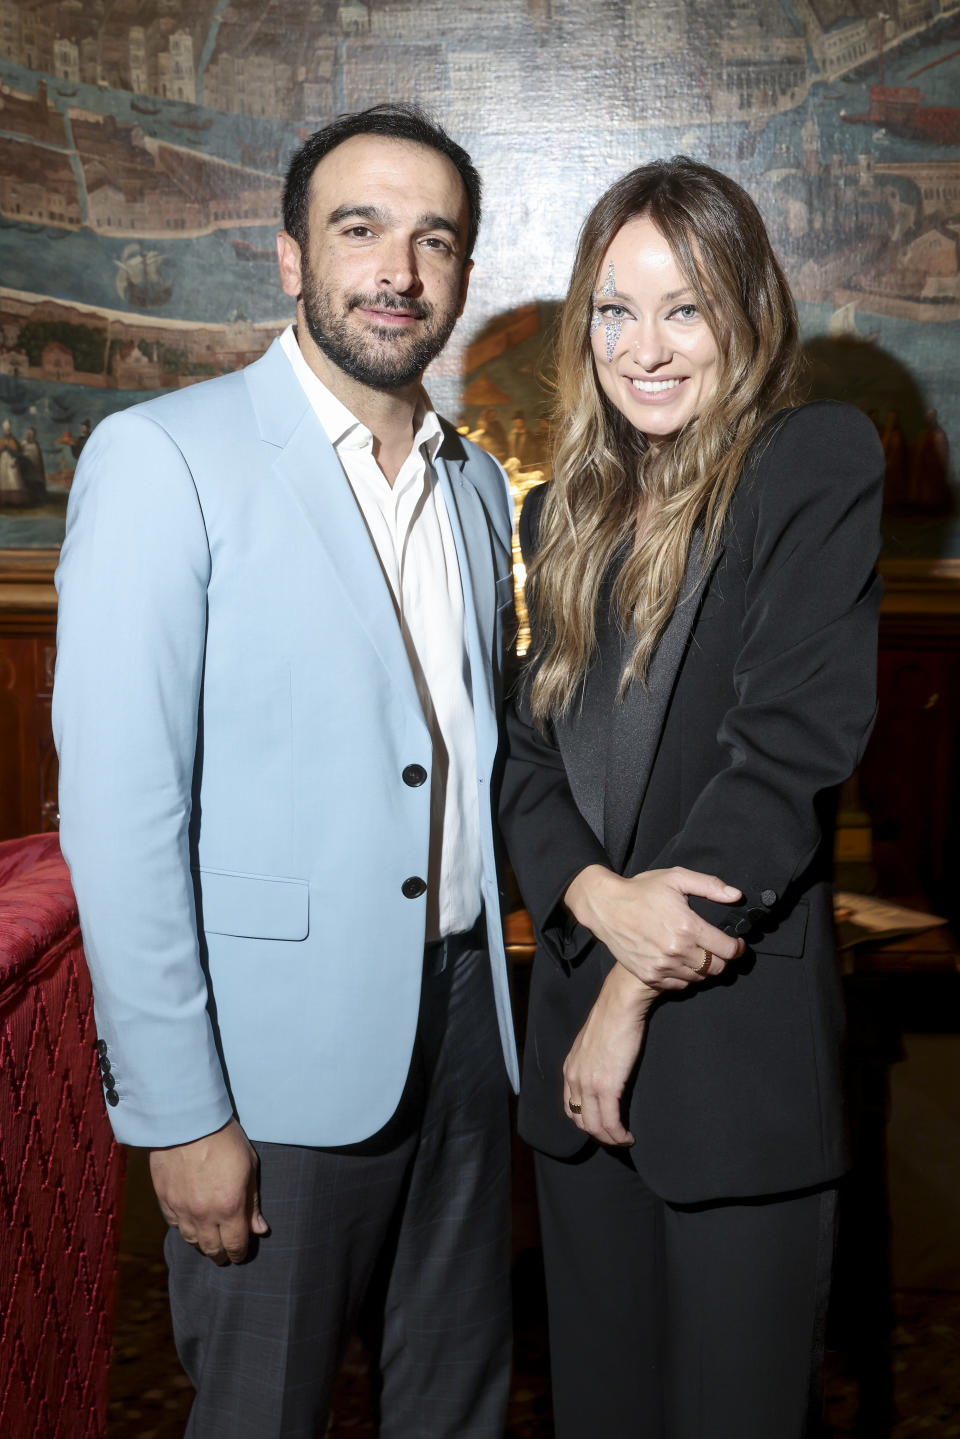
(647, 925)
(208, 1190)
(602, 1057)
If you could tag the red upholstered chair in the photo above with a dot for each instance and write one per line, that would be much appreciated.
(60, 1170)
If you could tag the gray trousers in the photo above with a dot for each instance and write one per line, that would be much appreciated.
(681, 1321)
(405, 1235)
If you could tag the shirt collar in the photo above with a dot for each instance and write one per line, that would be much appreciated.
(340, 425)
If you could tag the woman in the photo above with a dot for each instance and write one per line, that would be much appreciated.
(703, 607)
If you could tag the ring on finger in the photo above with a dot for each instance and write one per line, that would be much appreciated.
(573, 1107)
(702, 968)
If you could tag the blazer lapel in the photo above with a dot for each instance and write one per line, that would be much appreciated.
(584, 735)
(307, 464)
(637, 723)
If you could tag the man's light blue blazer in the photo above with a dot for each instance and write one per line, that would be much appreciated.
(233, 712)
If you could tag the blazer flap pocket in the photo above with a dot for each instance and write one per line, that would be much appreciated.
(789, 936)
(252, 906)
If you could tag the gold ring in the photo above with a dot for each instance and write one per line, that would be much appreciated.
(702, 968)
(574, 1108)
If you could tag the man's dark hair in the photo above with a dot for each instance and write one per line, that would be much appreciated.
(393, 122)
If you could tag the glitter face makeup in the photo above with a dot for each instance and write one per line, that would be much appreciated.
(654, 352)
(612, 326)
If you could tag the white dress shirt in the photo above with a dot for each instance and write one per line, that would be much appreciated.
(410, 529)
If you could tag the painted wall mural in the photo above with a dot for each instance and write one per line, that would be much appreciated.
(142, 144)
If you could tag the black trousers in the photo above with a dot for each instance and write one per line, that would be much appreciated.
(681, 1322)
(406, 1234)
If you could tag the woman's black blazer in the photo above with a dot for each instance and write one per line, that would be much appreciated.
(760, 700)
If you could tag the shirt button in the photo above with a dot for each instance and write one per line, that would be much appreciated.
(414, 775)
(414, 887)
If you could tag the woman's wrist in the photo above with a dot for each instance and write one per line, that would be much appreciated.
(580, 894)
(627, 992)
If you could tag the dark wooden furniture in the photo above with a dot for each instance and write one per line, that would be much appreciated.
(28, 762)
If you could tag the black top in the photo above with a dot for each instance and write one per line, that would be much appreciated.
(760, 700)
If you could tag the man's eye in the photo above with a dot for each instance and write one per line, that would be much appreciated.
(433, 242)
(359, 232)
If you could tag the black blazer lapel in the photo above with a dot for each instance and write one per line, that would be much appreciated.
(583, 736)
(636, 724)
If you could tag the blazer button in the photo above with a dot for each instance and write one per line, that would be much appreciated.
(414, 887)
(414, 775)
(112, 1097)
(768, 897)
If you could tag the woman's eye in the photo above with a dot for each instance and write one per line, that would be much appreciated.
(686, 312)
(613, 312)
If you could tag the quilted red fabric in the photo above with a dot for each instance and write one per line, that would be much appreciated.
(60, 1170)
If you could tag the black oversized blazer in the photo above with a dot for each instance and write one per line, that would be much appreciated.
(760, 700)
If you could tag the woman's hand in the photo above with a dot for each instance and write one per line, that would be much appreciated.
(647, 925)
(603, 1055)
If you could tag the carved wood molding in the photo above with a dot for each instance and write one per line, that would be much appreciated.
(26, 587)
(925, 586)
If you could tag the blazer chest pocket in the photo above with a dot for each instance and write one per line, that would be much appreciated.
(789, 936)
(252, 906)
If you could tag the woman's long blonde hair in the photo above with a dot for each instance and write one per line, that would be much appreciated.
(603, 466)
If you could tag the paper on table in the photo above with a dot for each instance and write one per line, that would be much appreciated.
(863, 919)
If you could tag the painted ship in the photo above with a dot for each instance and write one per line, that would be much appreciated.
(139, 279)
(245, 251)
(897, 109)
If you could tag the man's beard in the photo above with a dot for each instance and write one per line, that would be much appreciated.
(398, 360)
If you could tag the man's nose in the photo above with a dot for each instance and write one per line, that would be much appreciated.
(398, 267)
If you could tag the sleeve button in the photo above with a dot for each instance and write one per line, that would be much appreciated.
(112, 1097)
(768, 897)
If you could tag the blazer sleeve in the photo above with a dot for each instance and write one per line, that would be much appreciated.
(805, 674)
(132, 582)
(537, 807)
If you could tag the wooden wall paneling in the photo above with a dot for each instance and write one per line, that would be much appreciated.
(28, 766)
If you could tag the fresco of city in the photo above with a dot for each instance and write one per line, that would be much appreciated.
(143, 143)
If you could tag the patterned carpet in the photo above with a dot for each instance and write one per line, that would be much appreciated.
(150, 1398)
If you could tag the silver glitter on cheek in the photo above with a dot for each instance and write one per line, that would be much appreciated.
(609, 286)
(612, 332)
(596, 319)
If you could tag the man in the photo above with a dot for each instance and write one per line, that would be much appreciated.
(32, 467)
(279, 661)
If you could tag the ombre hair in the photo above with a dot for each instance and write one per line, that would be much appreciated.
(606, 472)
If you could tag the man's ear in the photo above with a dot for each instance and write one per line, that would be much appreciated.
(288, 260)
(464, 286)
